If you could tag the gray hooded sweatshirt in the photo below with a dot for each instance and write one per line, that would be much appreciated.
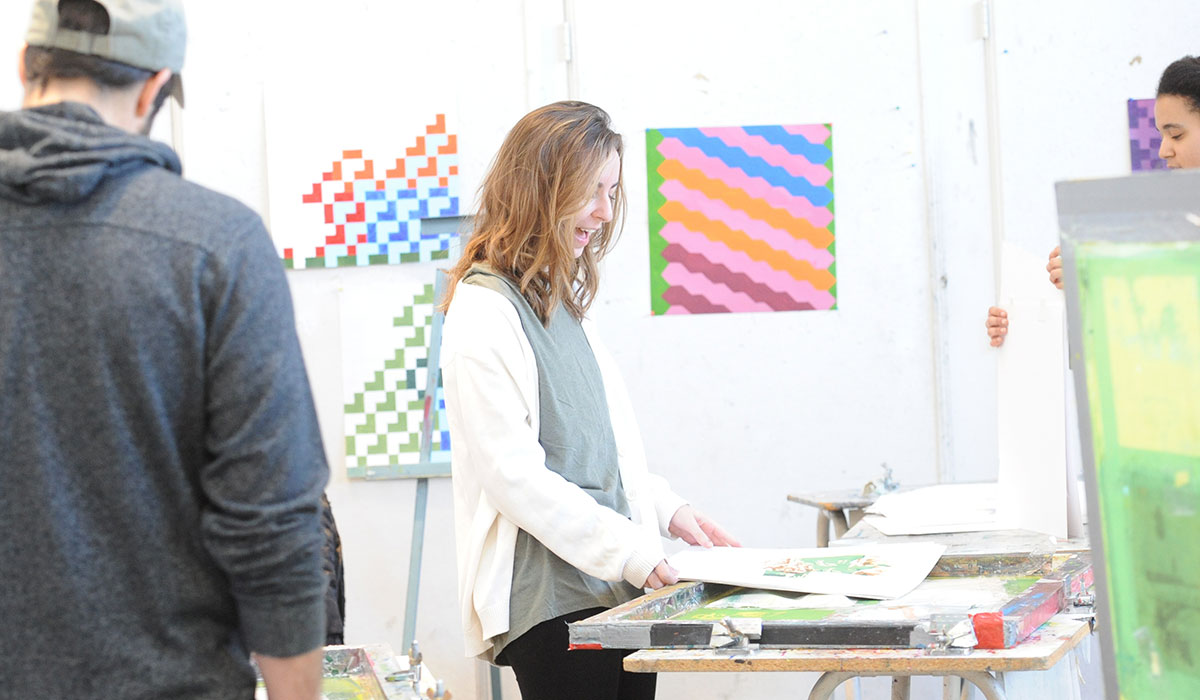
(160, 462)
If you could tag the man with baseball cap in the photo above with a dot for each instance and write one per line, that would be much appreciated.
(160, 460)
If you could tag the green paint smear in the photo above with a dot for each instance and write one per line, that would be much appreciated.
(350, 688)
(1140, 309)
(1017, 586)
(655, 201)
(833, 222)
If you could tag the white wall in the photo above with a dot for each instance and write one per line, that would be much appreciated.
(737, 410)
(784, 401)
(1065, 71)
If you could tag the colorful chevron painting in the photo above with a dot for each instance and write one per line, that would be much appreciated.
(741, 219)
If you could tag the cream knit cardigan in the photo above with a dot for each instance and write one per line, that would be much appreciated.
(501, 483)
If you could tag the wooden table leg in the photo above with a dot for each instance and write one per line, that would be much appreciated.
(902, 685)
(827, 683)
(986, 683)
(839, 522)
(823, 517)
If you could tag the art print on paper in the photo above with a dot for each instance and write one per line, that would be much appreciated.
(367, 208)
(385, 350)
(1144, 139)
(741, 219)
(850, 565)
(880, 571)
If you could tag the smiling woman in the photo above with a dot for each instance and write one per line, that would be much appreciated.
(556, 515)
(1177, 113)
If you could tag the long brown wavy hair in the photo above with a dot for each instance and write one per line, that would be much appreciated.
(524, 227)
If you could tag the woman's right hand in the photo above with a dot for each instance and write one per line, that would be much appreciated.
(997, 325)
(663, 575)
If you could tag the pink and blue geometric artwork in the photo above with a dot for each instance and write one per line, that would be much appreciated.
(741, 219)
(1144, 138)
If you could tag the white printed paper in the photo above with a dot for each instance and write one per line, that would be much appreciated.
(868, 571)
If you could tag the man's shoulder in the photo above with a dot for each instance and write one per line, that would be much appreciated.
(174, 207)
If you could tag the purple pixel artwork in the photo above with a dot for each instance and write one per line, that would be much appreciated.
(1144, 138)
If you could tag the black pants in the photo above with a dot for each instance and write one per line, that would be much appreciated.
(547, 670)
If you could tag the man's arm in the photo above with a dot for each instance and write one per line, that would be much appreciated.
(266, 472)
(292, 677)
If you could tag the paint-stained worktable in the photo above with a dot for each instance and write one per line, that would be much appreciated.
(1008, 632)
(1041, 651)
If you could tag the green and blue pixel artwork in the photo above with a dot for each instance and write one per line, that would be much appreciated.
(384, 415)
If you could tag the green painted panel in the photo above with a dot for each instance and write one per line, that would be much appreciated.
(1140, 308)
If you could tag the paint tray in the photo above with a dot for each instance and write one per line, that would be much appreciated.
(370, 672)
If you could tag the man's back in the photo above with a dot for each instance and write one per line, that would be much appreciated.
(161, 462)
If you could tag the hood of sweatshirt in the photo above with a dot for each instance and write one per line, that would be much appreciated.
(63, 152)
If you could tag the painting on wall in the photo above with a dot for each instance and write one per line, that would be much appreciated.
(863, 571)
(385, 352)
(1144, 138)
(741, 219)
(353, 207)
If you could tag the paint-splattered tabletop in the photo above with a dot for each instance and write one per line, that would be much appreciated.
(992, 553)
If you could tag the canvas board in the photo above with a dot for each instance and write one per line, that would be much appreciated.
(936, 509)
(741, 219)
(1144, 138)
(1131, 249)
(363, 141)
(1031, 409)
(867, 571)
(386, 348)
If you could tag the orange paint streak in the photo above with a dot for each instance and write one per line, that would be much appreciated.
(756, 249)
(739, 199)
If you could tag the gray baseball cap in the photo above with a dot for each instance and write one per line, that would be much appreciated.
(146, 34)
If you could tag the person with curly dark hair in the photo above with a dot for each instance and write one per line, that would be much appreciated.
(1177, 117)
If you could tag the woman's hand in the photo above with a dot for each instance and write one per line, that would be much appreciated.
(694, 527)
(997, 325)
(1055, 268)
(663, 575)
